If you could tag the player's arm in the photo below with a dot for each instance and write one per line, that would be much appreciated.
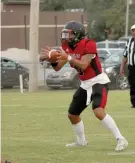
(124, 60)
(58, 65)
(81, 64)
(89, 53)
(84, 62)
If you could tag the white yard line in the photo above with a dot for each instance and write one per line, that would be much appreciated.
(26, 139)
(124, 116)
(59, 106)
(33, 98)
(37, 115)
(12, 105)
(121, 153)
(34, 106)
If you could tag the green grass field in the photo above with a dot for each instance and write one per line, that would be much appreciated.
(35, 129)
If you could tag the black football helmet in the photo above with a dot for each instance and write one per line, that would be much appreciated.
(72, 33)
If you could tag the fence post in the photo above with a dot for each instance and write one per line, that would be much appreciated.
(56, 30)
(44, 67)
(82, 19)
(21, 83)
(25, 31)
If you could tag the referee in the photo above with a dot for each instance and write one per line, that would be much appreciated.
(129, 58)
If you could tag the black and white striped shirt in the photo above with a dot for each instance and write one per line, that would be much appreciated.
(129, 52)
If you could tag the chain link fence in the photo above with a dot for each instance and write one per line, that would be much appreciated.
(15, 31)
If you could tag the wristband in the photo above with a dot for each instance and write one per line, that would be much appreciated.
(69, 58)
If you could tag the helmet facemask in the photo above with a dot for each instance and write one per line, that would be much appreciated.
(69, 36)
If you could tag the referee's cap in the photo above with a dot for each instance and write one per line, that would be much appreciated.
(133, 27)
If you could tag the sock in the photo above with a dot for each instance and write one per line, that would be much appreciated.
(110, 124)
(79, 131)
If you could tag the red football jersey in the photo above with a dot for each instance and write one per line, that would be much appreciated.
(84, 47)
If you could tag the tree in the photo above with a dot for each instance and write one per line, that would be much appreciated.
(60, 5)
(103, 15)
(112, 14)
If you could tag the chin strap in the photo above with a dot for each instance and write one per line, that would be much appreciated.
(86, 34)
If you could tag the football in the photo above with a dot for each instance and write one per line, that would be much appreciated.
(53, 54)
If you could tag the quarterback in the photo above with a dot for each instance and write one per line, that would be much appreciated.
(81, 53)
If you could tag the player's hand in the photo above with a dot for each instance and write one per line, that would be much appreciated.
(62, 56)
(44, 54)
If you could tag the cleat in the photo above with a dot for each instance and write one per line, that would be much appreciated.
(121, 144)
(76, 144)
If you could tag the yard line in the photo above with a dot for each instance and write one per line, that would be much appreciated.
(121, 153)
(12, 105)
(37, 115)
(123, 116)
(26, 139)
(59, 106)
(31, 98)
(34, 98)
(34, 106)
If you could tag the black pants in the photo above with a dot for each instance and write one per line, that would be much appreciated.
(131, 79)
(98, 99)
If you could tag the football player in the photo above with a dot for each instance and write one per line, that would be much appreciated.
(81, 53)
